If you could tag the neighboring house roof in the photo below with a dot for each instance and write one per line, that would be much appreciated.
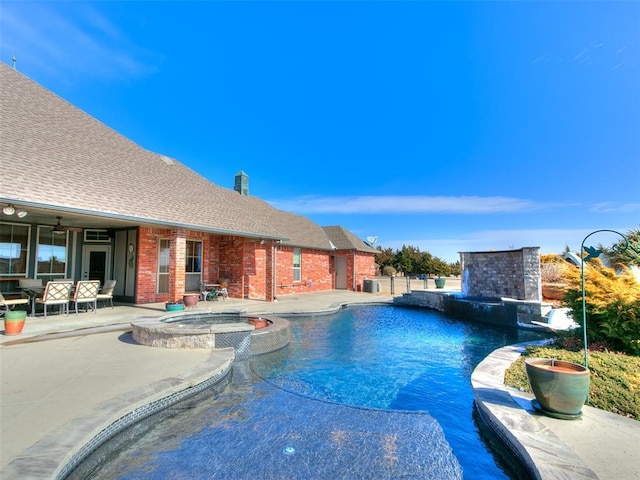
(343, 239)
(54, 154)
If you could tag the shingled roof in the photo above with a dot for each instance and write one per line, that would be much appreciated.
(54, 154)
(343, 239)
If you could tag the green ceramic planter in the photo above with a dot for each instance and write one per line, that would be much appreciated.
(174, 307)
(440, 282)
(561, 388)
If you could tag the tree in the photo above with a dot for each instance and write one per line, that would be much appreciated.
(424, 263)
(454, 269)
(411, 260)
(440, 267)
(385, 257)
(631, 256)
(407, 259)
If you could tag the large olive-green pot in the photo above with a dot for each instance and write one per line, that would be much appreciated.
(440, 282)
(560, 387)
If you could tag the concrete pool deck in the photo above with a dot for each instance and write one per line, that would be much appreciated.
(51, 403)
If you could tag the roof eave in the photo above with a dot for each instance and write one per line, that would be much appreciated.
(142, 220)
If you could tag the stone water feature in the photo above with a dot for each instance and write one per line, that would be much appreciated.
(498, 287)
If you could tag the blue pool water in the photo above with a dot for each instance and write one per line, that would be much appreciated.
(367, 393)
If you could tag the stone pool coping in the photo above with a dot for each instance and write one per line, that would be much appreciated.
(600, 444)
(538, 448)
(168, 332)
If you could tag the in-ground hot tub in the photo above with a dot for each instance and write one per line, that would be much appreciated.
(248, 335)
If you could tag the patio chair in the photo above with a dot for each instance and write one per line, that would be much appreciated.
(222, 291)
(107, 292)
(86, 292)
(204, 293)
(7, 303)
(56, 293)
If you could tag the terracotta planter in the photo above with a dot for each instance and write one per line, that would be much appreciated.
(190, 300)
(561, 388)
(14, 322)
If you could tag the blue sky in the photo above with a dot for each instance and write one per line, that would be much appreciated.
(449, 126)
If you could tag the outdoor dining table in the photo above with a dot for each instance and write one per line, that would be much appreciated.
(32, 292)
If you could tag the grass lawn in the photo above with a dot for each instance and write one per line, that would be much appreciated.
(615, 377)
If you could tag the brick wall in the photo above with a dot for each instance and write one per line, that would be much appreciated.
(146, 277)
(512, 274)
(360, 266)
(148, 249)
(255, 270)
(315, 269)
(177, 262)
(231, 266)
(247, 263)
(365, 268)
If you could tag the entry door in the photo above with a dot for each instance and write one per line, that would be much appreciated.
(341, 273)
(95, 263)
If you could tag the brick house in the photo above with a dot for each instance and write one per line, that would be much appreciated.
(98, 206)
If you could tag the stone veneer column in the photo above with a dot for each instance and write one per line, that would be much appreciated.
(531, 273)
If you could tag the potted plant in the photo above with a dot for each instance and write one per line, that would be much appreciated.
(190, 299)
(561, 388)
(441, 269)
(14, 321)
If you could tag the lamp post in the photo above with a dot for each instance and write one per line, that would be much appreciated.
(592, 252)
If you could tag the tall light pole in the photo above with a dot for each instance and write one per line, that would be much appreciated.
(592, 252)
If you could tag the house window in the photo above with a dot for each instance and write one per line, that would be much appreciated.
(163, 266)
(193, 266)
(96, 236)
(14, 250)
(51, 254)
(297, 271)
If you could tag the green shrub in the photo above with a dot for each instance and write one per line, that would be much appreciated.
(388, 270)
(612, 306)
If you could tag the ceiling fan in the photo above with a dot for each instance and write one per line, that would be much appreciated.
(59, 228)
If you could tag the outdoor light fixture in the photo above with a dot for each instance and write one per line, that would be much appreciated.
(10, 210)
(592, 252)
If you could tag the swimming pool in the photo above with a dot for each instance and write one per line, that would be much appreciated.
(369, 392)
